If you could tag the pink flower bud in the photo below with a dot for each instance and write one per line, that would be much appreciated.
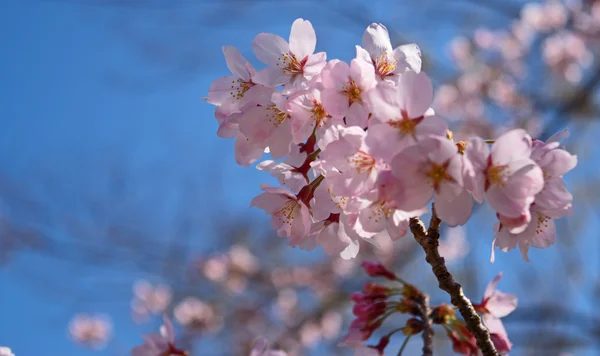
(376, 269)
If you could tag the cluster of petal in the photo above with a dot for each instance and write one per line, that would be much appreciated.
(363, 151)
(550, 200)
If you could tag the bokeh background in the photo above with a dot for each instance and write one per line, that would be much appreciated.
(119, 203)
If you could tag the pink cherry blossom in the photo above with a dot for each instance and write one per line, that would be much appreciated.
(290, 216)
(498, 333)
(387, 62)
(346, 162)
(433, 167)
(159, 344)
(554, 199)
(308, 113)
(269, 126)
(495, 305)
(495, 302)
(331, 229)
(287, 175)
(293, 64)
(344, 90)
(380, 211)
(232, 93)
(539, 232)
(331, 234)
(246, 152)
(402, 114)
(507, 174)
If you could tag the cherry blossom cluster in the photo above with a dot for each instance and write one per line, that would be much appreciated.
(497, 65)
(361, 150)
(378, 302)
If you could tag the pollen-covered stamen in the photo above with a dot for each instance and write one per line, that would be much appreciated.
(362, 162)
(319, 115)
(287, 213)
(495, 176)
(340, 202)
(542, 224)
(352, 92)
(384, 65)
(438, 174)
(380, 210)
(461, 146)
(276, 116)
(289, 64)
(239, 87)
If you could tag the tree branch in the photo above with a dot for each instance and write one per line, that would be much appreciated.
(429, 241)
(427, 326)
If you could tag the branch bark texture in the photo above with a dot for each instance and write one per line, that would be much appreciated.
(429, 241)
(427, 333)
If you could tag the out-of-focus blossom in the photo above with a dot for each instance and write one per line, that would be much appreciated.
(243, 260)
(150, 299)
(90, 330)
(455, 246)
(5, 351)
(553, 202)
(197, 315)
(261, 348)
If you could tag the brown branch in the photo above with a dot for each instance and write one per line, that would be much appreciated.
(427, 326)
(429, 240)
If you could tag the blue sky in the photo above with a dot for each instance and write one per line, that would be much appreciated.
(69, 113)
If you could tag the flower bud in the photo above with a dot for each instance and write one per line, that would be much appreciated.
(383, 342)
(375, 291)
(411, 292)
(443, 314)
(408, 306)
(413, 326)
(376, 269)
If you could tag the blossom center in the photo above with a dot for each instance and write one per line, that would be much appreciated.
(437, 174)
(362, 162)
(318, 113)
(239, 87)
(384, 65)
(287, 212)
(495, 176)
(289, 64)
(380, 210)
(340, 202)
(276, 116)
(352, 92)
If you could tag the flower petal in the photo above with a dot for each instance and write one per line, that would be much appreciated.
(303, 39)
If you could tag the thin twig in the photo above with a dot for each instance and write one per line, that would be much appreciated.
(403, 345)
(429, 240)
